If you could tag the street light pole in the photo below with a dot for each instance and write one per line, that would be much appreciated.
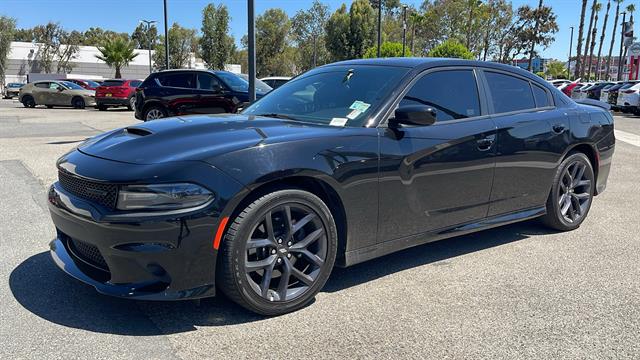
(166, 37)
(251, 50)
(379, 25)
(149, 23)
(569, 62)
(404, 29)
(620, 60)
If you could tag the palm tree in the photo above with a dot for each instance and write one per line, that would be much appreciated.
(630, 9)
(533, 42)
(596, 9)
(604, 29)
(586, 44)
(614, 31)
(580, 38)
(117, 52)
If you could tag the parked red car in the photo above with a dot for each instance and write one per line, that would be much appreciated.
(569, 88)
(87, 84)
(117, 92)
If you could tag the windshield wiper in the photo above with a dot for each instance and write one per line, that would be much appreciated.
(276, 115)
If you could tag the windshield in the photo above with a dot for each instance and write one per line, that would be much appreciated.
(71, 85)
(92, 84)
(260, 85)
(334, 95)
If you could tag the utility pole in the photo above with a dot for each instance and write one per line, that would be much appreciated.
(148, 27)
(379, 25)
(251, 50)
(620, 60)
(569, 62)
(166, 37)
(404, 29)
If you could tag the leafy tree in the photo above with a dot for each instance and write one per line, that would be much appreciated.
(387, 49)
(451, 49)
(56, 44)
(68, 50)
(95, 36)
(25, 35)
(557, 70)
(273, 56)
(497, 17)
(7, 29)
(182, 43)
(543, 29)
(307, 27)
(349, 35)
(216, 45)
(143, 37)
(117, 53)
(583, 13)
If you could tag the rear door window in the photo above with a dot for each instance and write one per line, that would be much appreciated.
(452, 93)
(42, 85)
(178, 80)
(208, 82)
(541, 96)
(509, 93)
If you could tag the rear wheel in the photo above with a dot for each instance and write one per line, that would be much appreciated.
(278, 253)
(78, 103)
(49, 106)
(571, 194)
(154, 113)
(28, 101)
(131, 105)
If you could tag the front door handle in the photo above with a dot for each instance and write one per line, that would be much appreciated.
(486, 143)
(559, 128)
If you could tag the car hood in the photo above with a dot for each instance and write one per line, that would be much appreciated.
(197, 137)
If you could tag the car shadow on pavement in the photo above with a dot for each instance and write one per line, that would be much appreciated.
(41, 288)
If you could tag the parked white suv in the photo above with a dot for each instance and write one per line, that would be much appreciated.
(629, 99)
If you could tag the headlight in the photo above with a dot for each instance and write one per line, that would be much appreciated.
(162, 196)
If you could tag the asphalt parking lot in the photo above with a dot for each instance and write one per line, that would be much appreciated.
(519, 291)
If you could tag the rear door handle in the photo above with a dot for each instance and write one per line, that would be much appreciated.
(559, 128)
(486, 143)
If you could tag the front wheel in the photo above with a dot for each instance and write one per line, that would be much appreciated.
(131, 105)
(154, 113)
(28, 101)
(571, 194)
(278, 252)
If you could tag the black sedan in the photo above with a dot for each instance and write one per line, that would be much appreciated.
(345, 163)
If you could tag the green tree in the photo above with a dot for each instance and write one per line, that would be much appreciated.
(183, 43)
(349, 35)
(25, 35)
(387, 49)
(451, 49)
(216, 45)
(273, 56)
(307, 28)
(7, 29)
(556, 70)
(117, 53)
(56, 45)
(143, 37)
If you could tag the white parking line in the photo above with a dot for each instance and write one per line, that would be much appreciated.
(628, 137)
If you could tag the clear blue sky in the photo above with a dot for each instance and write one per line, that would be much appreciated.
(123, 15)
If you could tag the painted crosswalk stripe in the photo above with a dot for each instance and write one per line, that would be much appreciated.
(628, 137)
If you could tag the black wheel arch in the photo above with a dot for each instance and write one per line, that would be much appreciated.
(590, 151)
(149, 104)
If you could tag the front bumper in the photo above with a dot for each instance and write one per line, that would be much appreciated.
(168, 259)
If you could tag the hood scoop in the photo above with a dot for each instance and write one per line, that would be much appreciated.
(137, 131)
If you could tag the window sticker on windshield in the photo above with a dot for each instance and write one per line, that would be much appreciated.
(360, 106)
(353, 114)
(338, 121)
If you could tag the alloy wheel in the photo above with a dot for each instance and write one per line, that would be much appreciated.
(286, 252)
(132, 103)
(154, 114)
(574, 192)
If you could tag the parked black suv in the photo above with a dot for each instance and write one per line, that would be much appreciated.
(181, 92)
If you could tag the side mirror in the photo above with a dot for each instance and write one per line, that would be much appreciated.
(419, 115)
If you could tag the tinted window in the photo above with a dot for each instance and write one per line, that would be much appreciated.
(233, 81)
(540, 94)
(135, 83)
(509, 93)
(92, 83)
(181, 80)
(71, 85)
(452, 93)
(112, 83)
(207, 82)
(44, 85)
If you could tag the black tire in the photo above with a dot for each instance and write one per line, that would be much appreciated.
(131, 103)
(571, 194)
(28, 101)
(154, 112)
(101, 107)
(49, 106)
(78, 103)
(238, 282)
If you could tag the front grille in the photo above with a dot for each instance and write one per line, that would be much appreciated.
(88, 253)
(101, 193)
